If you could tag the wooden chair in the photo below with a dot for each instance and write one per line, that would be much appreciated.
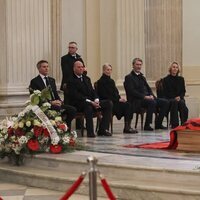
(141, 114)
(81, 116)
(160, 94)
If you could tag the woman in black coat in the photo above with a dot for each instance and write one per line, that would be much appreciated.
(107, 90)
(174, 90)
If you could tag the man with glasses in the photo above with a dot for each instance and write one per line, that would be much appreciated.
(67, 62)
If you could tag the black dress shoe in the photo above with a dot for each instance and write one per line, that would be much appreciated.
(104, 133)
(161, 127)
(130, 131)
(91, 136)
(148, 128)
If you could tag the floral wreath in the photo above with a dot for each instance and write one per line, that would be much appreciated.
(37, 128)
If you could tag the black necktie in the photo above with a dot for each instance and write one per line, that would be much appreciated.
(47, 81)
(48, 84)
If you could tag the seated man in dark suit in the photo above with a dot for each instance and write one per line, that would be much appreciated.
(139, 94)
(84, 98)
(106, 89)
(43, 80)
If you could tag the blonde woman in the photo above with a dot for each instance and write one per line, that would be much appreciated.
(174, 91)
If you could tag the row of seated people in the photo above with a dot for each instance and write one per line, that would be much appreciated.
(170, 97)
(83, 98)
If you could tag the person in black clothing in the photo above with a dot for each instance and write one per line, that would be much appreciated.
(84, 98)
(107, 90)
(174, 91)
(43, 80)
(139, 94)
(67, 62)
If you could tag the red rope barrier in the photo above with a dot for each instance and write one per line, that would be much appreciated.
(107, 188)
(74, 187)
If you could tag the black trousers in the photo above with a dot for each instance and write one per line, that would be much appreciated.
(123, 109)
(178, 108)
(70, 113)
(159, 105)
(87, 108)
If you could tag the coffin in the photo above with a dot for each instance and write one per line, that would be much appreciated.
(188, 140)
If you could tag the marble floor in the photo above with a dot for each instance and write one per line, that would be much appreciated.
(11, 191)
(113, 148)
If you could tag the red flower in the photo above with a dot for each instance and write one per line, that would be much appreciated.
(19, 132)
(62, 127)
(37, 130)
(46, 132)
(71, 142)
(10, 131)
(33, 145)
(55, 148)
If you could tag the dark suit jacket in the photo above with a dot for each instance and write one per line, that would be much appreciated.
(135, 92)
(67, 63)
(80, 91)
(38, 84)
(174, 86)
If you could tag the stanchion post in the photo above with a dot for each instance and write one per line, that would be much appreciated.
(92, 178)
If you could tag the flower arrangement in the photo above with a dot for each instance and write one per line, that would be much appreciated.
(36, 129)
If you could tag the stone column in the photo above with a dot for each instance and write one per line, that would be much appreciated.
(130, 35)
(30, 32)
(163, 36)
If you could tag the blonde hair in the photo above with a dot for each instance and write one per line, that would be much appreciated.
(106, 65)
(170, 67)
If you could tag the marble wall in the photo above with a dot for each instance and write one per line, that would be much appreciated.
(113, 31)
(30, 31)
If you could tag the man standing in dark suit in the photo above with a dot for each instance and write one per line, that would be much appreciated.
(139, 94)
(67, 62)
(84, 98)
(43, 80)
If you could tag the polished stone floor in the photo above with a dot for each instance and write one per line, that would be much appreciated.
(111, 150)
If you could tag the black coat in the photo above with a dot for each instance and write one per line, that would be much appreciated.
(174, 86)
(38, 84)
(67, 63)
(107, 89)
(135, 90)
(80, 91)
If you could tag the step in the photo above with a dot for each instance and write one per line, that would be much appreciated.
(122, 188)
(125, 170)
(127, 181)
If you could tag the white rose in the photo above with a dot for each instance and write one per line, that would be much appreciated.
(21, 124)
(37, 92)
(36, 123)
(28, 123)
(58, 119)
(55, 140)
(46, 104)
(23, 140)
(66, 139)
